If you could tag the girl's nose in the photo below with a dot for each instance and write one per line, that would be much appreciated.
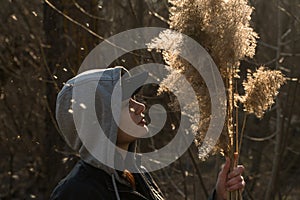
(138, 107)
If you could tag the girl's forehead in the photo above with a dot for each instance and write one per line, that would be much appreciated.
(135, 99)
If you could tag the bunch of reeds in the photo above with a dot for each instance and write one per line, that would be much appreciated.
(223, 28)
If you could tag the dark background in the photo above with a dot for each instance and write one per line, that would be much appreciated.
(42, 47)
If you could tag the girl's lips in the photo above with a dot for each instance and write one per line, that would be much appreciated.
(142, 122)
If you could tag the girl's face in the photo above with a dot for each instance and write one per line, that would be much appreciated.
(132, 122)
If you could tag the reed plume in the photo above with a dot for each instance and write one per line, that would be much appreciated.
(223, 29)
(261, 88)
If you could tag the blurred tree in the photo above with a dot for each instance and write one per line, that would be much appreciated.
(42, 44)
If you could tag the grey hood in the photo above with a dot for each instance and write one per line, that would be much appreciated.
(87, 111)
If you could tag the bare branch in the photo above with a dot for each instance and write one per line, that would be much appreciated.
(47, 67)
(256, 139)
(290, 14)
(290, 41)
(286, 33)
(132, 10)
(290, 54)
(51, 114)
(155, 14)
(267, 45)
(85, 28)
(74, 21)
(87, 13)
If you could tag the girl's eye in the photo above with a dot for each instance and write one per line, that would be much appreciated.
(133, 97)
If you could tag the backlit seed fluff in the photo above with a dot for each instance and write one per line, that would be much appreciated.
(222, 27)
(261, 88)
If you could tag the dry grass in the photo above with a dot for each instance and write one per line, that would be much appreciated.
(223, 29)
(261, 88)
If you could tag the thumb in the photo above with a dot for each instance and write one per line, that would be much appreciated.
(222, 178)
(225, 168)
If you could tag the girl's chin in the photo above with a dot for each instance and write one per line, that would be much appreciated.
(138, 132)
(146, 129)
(141, 132)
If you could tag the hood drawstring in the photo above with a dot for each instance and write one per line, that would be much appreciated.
(115, 186)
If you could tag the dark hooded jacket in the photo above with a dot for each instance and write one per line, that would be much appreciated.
(89, 183)
(90, 179)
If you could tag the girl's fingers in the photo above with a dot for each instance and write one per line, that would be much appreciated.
(235, 180)
(236, 172)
